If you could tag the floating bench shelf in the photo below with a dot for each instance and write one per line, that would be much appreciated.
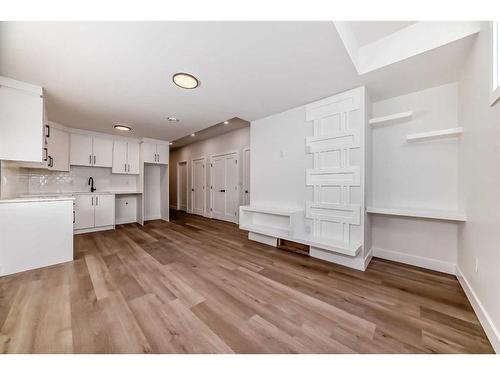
(427, 214)
(390, 118)
(287, 224)
(445, 133)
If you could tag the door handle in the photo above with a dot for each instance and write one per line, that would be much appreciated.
(246, 191)
(192, 189)
(222, 191)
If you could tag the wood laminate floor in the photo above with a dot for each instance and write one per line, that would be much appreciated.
(200, 286)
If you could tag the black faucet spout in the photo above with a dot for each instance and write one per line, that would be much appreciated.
(91, 183)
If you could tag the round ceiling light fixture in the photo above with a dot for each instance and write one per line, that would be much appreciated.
(172, 119)
(226, 122)
(185, 80)
(192, 134)
(170, 143)
(124, 128)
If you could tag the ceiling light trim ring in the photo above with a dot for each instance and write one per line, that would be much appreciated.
(182, 74)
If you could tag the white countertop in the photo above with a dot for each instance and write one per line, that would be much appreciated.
(39, 199)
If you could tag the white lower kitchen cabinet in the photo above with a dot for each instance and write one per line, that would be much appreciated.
(94, 212)
(35, 233)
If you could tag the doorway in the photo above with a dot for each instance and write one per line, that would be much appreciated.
(246, 176)
(224, 194)
(198, 180)
(182, 186)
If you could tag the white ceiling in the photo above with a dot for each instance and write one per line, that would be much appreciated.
(366, 32)
(97, 74)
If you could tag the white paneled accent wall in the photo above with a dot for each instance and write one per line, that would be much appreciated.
(310, 162)
(416, 177)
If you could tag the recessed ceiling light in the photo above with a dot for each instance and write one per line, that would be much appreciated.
(185, 80)
(172, 119)
(192, 134)
(171, 143)
(123, 128)
(226, 122)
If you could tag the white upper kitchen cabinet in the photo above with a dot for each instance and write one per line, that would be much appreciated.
(57, 149)
(149, 152)
(155, 151)
(126, 157)
(21, 121)
(133, 157)
(102, 152)
(91, 151)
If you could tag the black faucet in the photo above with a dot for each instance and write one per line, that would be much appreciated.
(91, 183)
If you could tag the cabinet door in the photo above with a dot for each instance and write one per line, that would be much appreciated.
(84, 211)
(58, 150)
(103, 152)
(162, 151)
(133, 157)
(149, 152)
(119, 157)
(80, 150)
(104, 210)
(21, 123)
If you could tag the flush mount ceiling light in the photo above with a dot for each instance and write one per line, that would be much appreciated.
(122, 128)
(226, 122)
(172, 119)
(185, 80)
(171, 143)
(192, 134)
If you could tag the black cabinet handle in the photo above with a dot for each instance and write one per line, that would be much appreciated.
(48, 131)
(246, 191)
(192, 189)
(222, 191)
(51, 161)
(46, 154)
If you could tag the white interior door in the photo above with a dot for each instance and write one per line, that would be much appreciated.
(182, 186)
(198, 186)
(232, 195)
(104, 210)
(224, 177)
(246, 177)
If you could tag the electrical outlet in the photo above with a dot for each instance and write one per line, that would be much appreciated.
(476, 266)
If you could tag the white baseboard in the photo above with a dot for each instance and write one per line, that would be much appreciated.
(125, 220)
(359, 262)
(489, 327)
(157, 217)
(90, 230)
(414, 260)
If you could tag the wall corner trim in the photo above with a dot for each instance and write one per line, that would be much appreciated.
(484, 318)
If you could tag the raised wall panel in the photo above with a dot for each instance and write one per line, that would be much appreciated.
(348, 176)
(340, 213)
(338, 141)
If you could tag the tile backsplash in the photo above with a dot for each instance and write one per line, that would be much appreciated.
(18, 181)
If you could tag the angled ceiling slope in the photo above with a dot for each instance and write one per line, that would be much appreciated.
(397, 41)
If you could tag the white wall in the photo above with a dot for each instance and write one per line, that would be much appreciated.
(479, 237)
(419, 175)
(14, 180)
(279, 160)
(236, 140)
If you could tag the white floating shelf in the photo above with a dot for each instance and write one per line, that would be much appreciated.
(396, 116)
(427, 214)
(434, 134)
